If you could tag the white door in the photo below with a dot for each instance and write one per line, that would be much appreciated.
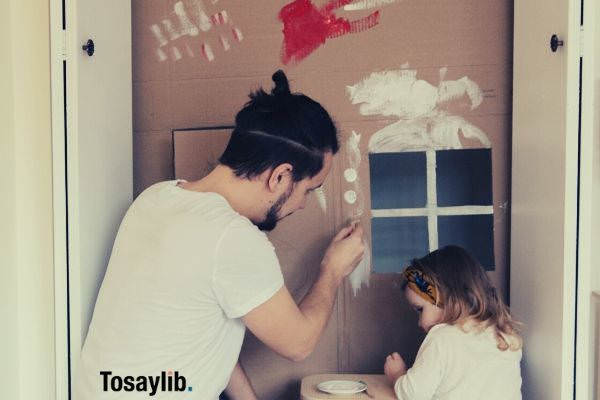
(544, 193)
(99, 148)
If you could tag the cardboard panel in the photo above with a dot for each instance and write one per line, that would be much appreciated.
(152, 159)
(457, 41)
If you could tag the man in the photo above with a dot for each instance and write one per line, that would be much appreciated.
(190, 269)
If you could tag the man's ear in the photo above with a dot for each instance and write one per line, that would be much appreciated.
(280, 177)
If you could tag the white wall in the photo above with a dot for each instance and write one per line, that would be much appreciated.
(8, 270)
(26, 274)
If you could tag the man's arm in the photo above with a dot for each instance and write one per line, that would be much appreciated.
(292, 330)
(239, 387)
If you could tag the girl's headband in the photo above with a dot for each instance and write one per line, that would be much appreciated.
(422, 285)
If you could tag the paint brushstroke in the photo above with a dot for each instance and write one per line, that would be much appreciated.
(307, 27)
(422, 124)
(367, 4)
(188, 19)
(360, 275)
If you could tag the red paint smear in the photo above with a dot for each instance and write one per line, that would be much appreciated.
(306, 27)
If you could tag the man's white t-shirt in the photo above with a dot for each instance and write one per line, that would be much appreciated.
(184, 268)
(454, 365)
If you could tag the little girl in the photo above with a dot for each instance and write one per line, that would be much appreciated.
(472, 350)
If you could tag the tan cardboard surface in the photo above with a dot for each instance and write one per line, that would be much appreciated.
(469, 38)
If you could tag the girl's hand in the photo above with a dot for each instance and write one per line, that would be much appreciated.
(394, 367)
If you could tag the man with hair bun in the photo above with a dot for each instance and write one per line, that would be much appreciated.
(191, 267)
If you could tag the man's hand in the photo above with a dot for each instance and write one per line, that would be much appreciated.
(293, 331)
(345, 252)
(394, 367)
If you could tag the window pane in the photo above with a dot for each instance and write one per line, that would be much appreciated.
(398, 180)
(464, 177)
(396, 241)
(473, 232)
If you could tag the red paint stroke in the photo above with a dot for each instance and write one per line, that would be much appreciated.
(306, 27)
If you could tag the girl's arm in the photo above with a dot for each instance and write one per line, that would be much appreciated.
(420, 382)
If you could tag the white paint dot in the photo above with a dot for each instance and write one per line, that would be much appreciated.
(350, 196)
(350, 175)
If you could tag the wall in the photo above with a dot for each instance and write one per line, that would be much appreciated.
(9, 374)
(179, 84)
(26, 229)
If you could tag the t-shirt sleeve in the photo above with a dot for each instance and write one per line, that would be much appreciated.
(422, 380)
(246, 270)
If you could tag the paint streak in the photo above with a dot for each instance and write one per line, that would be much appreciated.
(225, 43)
(162, 41)
(207, 51)
(367, 4)
(186, 27)
(306, 27)
(191, 19)
(416, 104)
(354, 160)
(161, 55)
(171, 31)
(237, 34)
(202, 19)
(176, 54)
(361, 274)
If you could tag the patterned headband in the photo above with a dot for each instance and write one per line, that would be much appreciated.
(422, 285)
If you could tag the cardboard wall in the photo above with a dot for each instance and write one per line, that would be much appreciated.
(191, 91)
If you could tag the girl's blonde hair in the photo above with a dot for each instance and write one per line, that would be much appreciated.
(467, 296)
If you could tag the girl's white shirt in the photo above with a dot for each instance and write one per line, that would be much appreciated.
(456, 365)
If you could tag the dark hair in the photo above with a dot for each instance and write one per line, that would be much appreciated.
(467, 294)
(277, 128)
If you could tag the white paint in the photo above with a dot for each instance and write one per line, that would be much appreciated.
(361, 274)
(237, 33)
(367, 4)
(424, 212)
(415, 103)
(225, 16)
(176, 54)
(162, 41)
(350, 196)
(210, 56)
(171, 31)
(186, 26)
(161, 55)
(225, 43)
(202, 19)
(432, 227)
(354, 156)
(350, 175)
(320, 194)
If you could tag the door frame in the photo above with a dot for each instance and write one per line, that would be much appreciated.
(589, 185)
(63, 36)
(58, 58)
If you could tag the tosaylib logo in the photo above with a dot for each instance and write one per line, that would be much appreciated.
(167, 381)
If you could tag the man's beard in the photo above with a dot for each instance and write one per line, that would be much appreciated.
(270, 221)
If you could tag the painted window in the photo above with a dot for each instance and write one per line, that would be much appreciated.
(424, 200)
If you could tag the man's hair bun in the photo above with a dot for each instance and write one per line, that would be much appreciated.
(282, 86)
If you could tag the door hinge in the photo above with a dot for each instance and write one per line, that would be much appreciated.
(63, 45)
(581, 41)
